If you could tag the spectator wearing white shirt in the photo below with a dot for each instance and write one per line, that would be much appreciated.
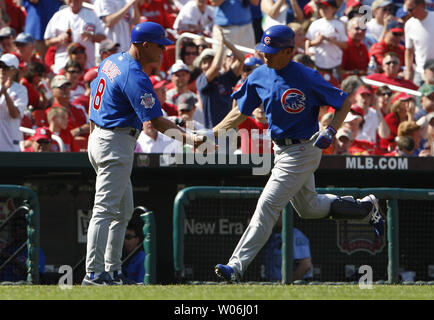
(180, 76)
(419, 44)
(373, 118)
(328, 37)
(73, 23)
(13, 102)
(118, 16)
(381, 10)
(151, 140)
(195, 16)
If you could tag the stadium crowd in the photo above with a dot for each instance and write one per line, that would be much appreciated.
(379, 52)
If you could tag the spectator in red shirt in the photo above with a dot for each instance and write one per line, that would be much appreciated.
(78, 121)
(39, 95)
(355, 57)
(40, 141)
(253, 132)
(160, 91)
(402, 109)
(390, 43)
(74, 73)
(157, 11)
(16, 15)
(343, 141)
(84, 99)
(384, 95)
(392, 66)
(353, 122)
(58, 123)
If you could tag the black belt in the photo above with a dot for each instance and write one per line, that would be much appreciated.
(286, 141)
(132, 132)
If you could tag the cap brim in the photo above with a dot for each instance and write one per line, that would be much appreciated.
(163, 41)
(397, 30)
(266, 49)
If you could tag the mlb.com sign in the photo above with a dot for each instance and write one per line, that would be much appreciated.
(376, 163)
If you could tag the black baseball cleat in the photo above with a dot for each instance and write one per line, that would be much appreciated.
(103, 279)
(121, 279)
(227, 273)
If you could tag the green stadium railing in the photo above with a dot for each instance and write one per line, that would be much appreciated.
(392, 195)
(31, 200)
(150, 246)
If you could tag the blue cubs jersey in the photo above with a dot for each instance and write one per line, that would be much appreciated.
(136, 267)
(122, 94)
(291, 98)
(273, 254)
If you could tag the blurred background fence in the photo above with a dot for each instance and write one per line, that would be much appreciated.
(209, 221)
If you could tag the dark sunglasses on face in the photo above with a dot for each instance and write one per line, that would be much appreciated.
(391, 62)
(431, 97)
(129, 236)
(78, 51)
(397, 34)
(42, 141)
(387, 94)
(73, 71)
(360, 29)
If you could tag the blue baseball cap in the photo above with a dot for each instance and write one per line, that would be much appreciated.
(149, 32)
(276, 38)
(253, 62)
(24, 38)
(395, 26)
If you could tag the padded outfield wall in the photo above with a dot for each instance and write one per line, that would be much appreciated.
(65, 187)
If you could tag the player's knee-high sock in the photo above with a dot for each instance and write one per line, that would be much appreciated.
(348, 208)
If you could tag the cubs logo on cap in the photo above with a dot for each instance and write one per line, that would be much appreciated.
(267, 40)
(276, 38)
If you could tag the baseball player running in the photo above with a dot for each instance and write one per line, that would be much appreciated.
(122, 99)
(291, 95)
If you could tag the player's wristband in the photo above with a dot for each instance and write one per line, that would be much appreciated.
(331, 130)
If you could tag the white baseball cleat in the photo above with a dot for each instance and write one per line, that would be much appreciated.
(375, 218)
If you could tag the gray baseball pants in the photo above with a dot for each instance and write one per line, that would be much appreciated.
(292, 179)
(111, 153)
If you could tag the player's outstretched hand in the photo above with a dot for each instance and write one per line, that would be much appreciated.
(202, 136)
(324, 137)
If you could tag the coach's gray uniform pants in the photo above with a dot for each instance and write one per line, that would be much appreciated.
(111, 153)
(292, 179)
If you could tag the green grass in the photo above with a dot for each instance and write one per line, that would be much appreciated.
(220, 292)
